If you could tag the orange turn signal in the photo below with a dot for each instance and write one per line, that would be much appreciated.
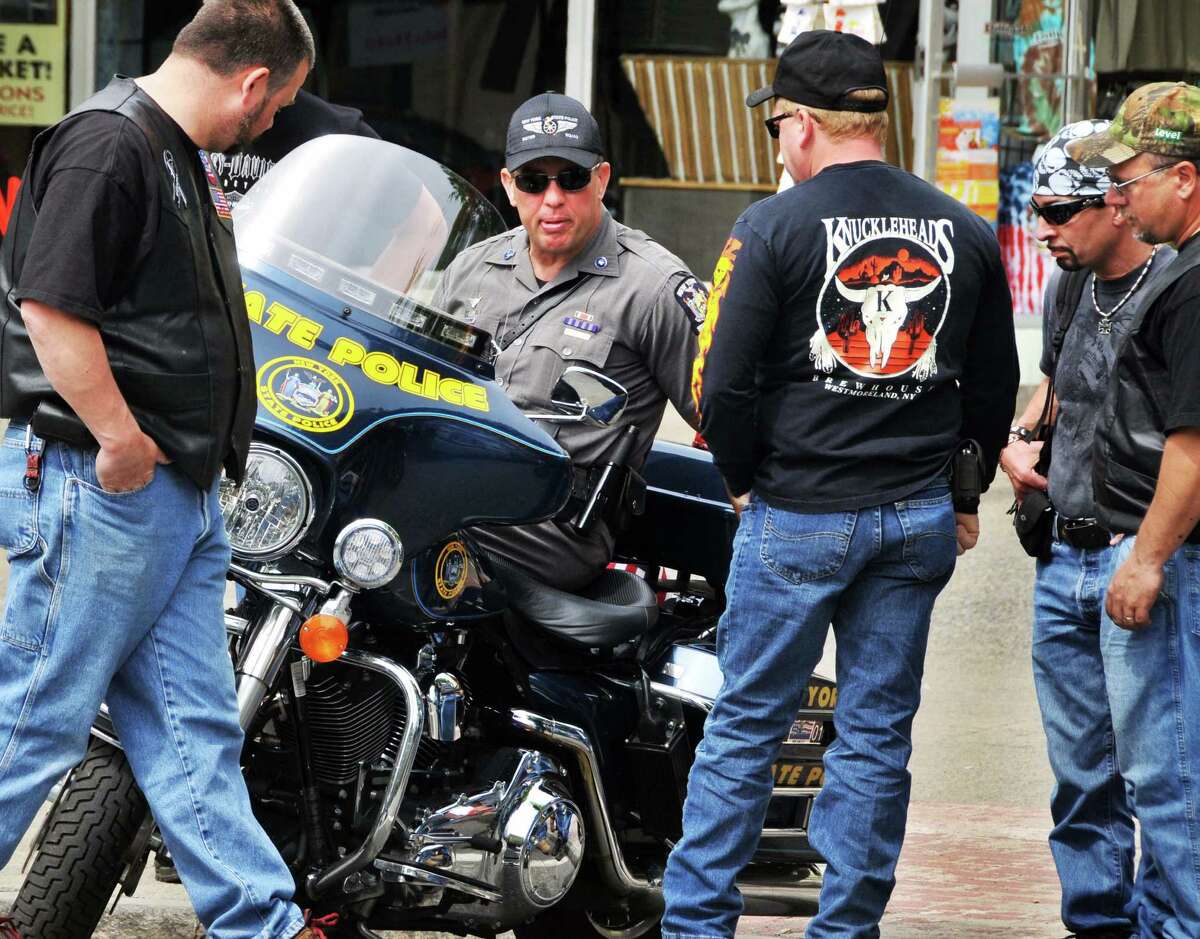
(323, 637)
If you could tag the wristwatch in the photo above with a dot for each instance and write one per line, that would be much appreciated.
(1024, 434)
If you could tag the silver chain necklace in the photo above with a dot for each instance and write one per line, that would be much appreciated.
(1104, 325)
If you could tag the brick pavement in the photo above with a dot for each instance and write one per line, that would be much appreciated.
(966, 872)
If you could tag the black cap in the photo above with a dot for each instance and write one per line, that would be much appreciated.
(821, 67)
(552, 125)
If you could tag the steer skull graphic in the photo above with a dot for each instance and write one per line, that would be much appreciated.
(884, 308)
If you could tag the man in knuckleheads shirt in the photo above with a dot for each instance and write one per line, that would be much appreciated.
(859, 330)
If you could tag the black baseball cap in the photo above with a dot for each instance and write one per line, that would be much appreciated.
(821, 67)
(552, 125)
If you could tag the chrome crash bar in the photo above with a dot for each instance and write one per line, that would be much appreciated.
(320, 882)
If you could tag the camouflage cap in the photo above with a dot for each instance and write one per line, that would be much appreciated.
(1162, 117)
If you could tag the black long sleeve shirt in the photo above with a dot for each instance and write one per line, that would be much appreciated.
(860, 326)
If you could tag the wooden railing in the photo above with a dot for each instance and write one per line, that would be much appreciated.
(711, 140)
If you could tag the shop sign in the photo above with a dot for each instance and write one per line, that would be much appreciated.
(33, 62)
(397, 32)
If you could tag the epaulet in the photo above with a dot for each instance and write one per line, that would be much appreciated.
(638, 243)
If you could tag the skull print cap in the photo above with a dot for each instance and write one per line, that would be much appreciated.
(553, 125)
(1057, 173)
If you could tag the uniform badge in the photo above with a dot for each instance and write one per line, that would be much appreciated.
(601, 263)
(509, 254)
(693, 297)
(176, 189)
(471, 313)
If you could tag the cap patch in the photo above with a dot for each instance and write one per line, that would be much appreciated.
(550, 125)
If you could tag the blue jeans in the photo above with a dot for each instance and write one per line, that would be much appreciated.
(118, 597)
(1153, 678)
(874, 574)
(1093, 836)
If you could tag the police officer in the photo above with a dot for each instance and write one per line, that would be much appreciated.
(127, 374)
(571, 286)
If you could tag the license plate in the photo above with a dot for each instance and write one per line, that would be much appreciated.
(798, 775)
(806, 732)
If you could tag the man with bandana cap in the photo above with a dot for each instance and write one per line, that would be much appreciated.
(1088, 308)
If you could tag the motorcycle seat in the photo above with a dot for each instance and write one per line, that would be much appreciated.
(614, 608)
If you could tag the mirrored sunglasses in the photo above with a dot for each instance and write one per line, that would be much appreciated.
(569, 180)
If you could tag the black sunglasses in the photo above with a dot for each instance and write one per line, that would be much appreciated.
(1059, 213)
(569, 180)
(772, 123)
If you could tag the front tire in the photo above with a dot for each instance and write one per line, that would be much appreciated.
(83, 848)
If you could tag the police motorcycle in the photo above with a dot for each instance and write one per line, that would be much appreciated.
(433, 740)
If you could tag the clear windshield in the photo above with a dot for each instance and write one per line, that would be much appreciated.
(367, 222)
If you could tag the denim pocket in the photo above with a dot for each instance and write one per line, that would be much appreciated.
(18, 506)
(800, 547)
(81, 464)
(930, 543)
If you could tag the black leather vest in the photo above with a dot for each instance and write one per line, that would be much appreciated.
(178, 341)
(1130, 434)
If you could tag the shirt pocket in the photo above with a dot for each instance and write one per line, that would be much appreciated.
(18, 505)
(555, 350)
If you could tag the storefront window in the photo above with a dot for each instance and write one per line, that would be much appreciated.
(33, 84)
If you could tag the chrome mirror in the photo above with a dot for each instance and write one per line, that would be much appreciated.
(583, 394)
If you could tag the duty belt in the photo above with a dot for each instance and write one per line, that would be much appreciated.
(1086, 533)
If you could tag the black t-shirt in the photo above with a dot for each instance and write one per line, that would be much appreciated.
(96, 192)
(859, 327)
(309, 118)
(1170, 334)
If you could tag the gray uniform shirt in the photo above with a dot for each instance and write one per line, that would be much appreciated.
(1081, 379)
(625, 306)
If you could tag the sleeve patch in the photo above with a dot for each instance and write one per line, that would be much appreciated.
(693, 297)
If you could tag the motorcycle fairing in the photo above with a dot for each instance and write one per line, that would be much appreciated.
(325, 377)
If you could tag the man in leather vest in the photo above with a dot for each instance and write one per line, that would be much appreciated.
(1089, 305)
(127, 375)
(1146, 468)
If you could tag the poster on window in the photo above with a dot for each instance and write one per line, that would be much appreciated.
(968, 153)
(33, 61)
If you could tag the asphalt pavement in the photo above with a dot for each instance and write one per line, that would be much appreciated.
(975, 864)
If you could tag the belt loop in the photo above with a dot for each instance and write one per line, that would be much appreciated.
(33, 444)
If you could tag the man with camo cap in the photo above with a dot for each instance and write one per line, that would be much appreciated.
(1146, 477)
(1088, 307)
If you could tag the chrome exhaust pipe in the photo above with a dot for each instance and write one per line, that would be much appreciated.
(321, 882)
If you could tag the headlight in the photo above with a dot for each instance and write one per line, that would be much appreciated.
(268, 514)
(368, 553)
